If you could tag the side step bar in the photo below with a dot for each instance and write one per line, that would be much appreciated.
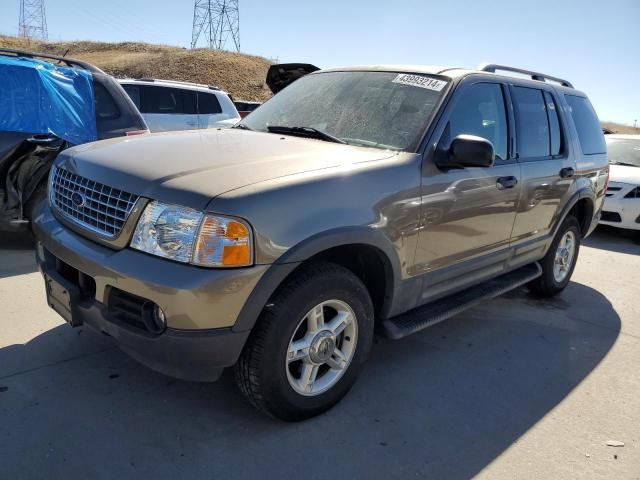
(439, 310)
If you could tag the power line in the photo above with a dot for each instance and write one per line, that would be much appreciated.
(33, 21)
(218, 22)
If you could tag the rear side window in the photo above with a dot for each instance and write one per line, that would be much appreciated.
(532, 123)
(208, 104)
(106, 108)
(587, 125)
(166, 100)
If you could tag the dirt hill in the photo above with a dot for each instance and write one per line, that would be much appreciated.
(241, 75)
(619, 128)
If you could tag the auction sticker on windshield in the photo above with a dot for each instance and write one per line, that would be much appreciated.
(420, 81)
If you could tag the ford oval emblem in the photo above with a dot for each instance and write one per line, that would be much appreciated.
(77, 199)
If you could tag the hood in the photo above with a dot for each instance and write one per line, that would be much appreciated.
(284, 74)
(624, 174)
(192, 167)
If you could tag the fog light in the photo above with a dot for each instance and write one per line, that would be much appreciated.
(159, 314)
(154, 317)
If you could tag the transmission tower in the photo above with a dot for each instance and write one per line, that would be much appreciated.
(217, 21)
(33, 21)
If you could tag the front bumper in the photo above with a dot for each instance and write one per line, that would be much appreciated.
(621, 213)
(201, 305)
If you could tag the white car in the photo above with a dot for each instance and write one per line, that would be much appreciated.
(168, 105)
(622, 202)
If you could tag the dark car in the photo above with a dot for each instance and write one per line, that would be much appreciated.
(47, 104)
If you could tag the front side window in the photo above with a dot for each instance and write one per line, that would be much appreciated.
(479, 111)
(386, 110)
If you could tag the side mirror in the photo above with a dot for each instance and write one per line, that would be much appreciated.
(469, 151)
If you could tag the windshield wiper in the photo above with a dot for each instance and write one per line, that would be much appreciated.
(242, 126)
(305, 132)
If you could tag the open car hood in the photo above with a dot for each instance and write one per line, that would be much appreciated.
(283, 74)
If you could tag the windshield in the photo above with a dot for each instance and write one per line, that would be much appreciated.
(624, 150)
(376, 109)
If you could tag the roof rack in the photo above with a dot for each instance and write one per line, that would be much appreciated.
(492, 67)
(179, 82)
(68, 61)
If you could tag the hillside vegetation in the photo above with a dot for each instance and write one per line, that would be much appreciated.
(619, 128)
(241, 75)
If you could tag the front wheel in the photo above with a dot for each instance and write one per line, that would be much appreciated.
(309, 345)
(560, 260)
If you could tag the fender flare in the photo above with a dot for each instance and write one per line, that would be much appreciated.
(304, 250)
(575, 198)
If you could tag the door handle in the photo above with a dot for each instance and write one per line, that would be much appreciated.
(567, 172)
(506, 182)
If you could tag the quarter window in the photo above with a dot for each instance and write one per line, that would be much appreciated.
(480, 111)
(587, 125)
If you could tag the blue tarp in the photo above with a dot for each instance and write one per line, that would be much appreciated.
(39, 97)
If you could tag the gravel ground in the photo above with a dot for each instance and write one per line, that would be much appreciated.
(514, 388)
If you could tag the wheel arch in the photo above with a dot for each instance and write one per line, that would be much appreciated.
(368, 253)
(582, 206)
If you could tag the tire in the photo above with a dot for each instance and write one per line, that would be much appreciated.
(548, 284)
(264, 372)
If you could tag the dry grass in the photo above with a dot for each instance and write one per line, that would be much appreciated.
(619, 128)
(241, 75)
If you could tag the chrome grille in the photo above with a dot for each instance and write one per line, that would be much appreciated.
(95, 206)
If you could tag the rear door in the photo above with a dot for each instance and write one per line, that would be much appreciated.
(468, 213)
(548, 166)
(165, 108)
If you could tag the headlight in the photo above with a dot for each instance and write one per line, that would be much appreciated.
(189, 236)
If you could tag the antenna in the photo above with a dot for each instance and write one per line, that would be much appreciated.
(218, 21)
(33, 21)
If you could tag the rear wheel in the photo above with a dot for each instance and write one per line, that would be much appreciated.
(309, 345)
(560, 260)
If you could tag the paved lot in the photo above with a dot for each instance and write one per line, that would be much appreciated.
(515, 388)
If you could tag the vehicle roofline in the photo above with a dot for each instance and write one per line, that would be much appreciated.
(70, 62)
(173, 83)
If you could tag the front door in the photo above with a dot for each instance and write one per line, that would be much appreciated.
(468, 213)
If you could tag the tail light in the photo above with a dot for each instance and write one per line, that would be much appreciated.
(131, 133)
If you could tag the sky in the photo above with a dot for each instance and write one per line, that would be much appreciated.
(594, 44)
